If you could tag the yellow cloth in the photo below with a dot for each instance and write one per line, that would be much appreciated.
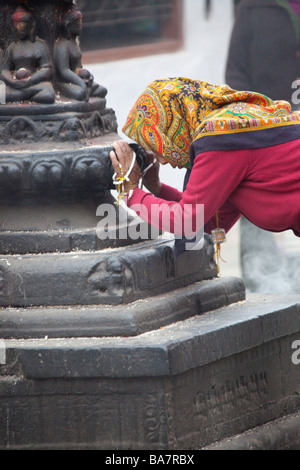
(172, 112)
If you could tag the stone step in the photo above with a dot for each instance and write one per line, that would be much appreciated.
(188, 385)
(280, 434)
(110, 276)
(120, 320)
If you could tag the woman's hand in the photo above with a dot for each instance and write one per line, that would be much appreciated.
(121, 159)
(151, 178)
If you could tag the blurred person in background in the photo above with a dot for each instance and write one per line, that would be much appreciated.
(264, 55)
(264, 50)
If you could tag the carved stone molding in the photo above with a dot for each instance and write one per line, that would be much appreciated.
(64, 170)
(56, 123)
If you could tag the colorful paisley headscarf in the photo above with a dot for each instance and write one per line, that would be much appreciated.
(172, 112)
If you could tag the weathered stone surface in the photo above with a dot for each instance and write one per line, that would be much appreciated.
(280, 434)
(183, 386)
(111, 276)
(123, 320)
(38, 173)
(60, 122)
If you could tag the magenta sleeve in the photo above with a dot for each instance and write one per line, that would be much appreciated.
(215, 175)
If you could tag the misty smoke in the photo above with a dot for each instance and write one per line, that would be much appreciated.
(265, 268)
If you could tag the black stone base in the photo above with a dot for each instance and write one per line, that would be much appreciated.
(184, 386)
(280, 434)
(122, 320)
(66, 120)
(111, 276)
(64, 227)
(62, 172)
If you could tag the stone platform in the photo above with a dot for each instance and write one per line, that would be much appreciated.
(280, 434)
(185, 385)
(100, 277)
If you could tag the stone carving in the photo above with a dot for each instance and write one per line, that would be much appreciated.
(61, 127)
(10, 176)
(62, 173)
(71, 129)
(111, 277)
(155, 421)
(73, 81)
(21, 128)
(222, 398)
(45, 174)
(60, 99)
(27, 70)
(90, 171)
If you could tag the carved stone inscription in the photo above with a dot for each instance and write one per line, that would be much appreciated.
(227, 396)
(221, 398)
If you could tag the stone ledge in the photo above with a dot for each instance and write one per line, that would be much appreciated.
(168, 351)
(185, 386)
(280, 434)
(104, 277)
(126, 320)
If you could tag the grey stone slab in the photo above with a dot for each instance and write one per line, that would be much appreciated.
(187, 385)
(111, 276)
(120, 320)
(181, 346)
(280, 434)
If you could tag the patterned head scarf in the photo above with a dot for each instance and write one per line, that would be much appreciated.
(172, 112)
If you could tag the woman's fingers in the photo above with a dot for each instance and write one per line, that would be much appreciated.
(124, 153)
(115, 162)
(121, 158)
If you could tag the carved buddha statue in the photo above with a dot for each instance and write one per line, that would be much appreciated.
(27, 70)
(72, 80)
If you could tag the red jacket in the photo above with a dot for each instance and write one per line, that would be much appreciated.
(263, 184)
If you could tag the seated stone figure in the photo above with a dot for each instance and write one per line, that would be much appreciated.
(72, 80)
(27, 70)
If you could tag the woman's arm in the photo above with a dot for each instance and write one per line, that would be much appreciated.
(215, 175)
(151, 181)
(169, 194)
(228, 215)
